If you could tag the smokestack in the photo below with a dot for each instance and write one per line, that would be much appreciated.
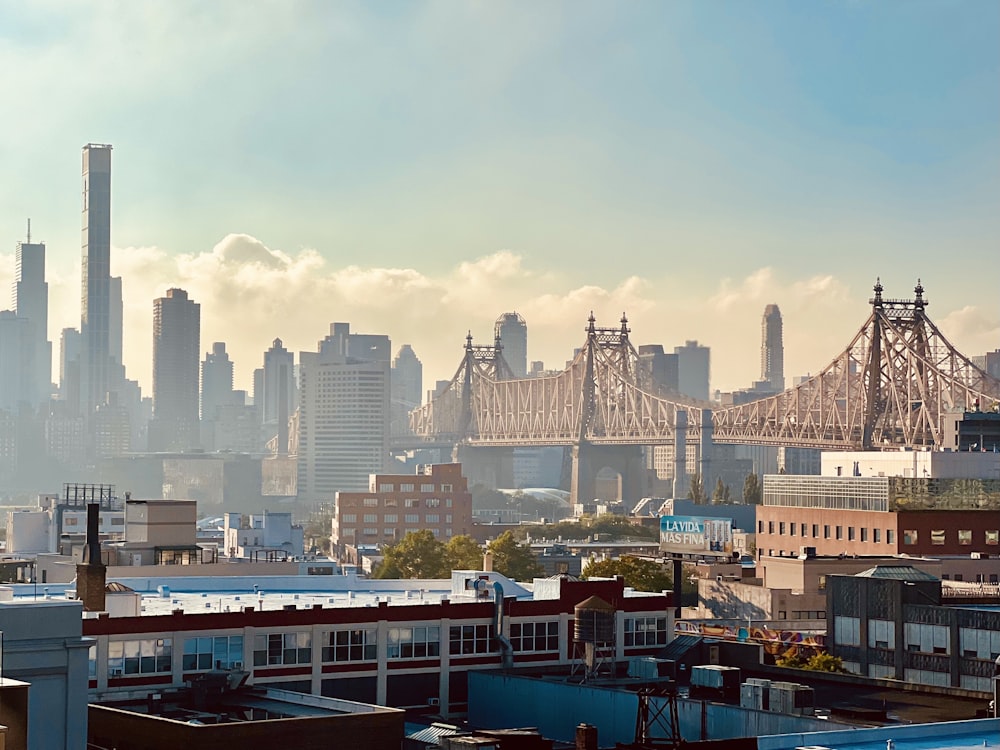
(92, 574)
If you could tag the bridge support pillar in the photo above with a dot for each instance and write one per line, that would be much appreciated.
(490, 467)
(681, 484)
(705, 450)
(588, 459)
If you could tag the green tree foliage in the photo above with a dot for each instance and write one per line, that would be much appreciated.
(609, 526)
(696, 491)
(722, 495)
(512, 559)
(462, 552)
(821, 661)
(751, 489)
(642, 575)
(417, 555)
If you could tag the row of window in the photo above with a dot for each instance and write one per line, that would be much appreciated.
(409, 487)
(938, 537)
(390, 533)
(394, 518)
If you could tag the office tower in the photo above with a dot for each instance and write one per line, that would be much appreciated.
(343, 420)
(512, 333)
(216, 381)
(176, 343)
(660, 365)
(278, 392)
(991, 363)
(693, 364)
(17, 350)
(407, 377)
(70, 344)
(96, 274)
(31, 302)
(772, 350)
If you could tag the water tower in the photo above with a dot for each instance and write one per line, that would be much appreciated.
(594, 635)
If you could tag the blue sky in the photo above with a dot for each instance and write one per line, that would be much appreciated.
(419, 168)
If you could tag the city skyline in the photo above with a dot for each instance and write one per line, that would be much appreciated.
(594, 160)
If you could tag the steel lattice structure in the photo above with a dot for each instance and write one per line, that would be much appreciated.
(895, 385)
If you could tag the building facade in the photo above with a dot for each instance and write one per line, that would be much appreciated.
(511, 332)
(437, 498)
(176, 346)
(216, 381)
(693, 369)
(95, 320)
(31, 301)
(343, 414)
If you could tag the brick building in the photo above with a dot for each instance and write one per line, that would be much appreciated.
(437, 498)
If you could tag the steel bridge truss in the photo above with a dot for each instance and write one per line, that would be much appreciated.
(895, 385)
(604, 397)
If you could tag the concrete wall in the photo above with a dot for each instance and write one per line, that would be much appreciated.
(498, 701)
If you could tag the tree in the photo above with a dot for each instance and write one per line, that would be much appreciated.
(417, 555)
(641, 575)
(462, 552)
(721, 496)
(696, 492)
(751, 489)
(512, 559)
(821, 661)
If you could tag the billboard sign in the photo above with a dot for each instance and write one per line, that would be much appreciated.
(689, 535)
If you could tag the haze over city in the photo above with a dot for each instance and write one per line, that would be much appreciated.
(418, 169)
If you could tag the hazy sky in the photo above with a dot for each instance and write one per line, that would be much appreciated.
(419, 168)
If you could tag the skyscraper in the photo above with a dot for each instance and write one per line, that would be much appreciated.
(115, 315)
(343, 414)
(772, 350)
(69, 369)
(278, 389)
(216, 381)
(176, 344)
(512, 333)
(693, 369)
(31, 302)
(96, 275)
(407, 386)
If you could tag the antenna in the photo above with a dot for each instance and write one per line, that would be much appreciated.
(29, 230)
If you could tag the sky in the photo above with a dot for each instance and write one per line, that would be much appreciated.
(419, 168)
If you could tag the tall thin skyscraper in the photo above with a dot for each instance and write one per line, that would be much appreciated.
(115, 315)
(31, 301)
(772, 350)
(216, 381)
(279, 393)
(176, 346)
(512, 333)
(96, 274)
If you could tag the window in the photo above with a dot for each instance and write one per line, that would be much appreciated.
(847, 631)
(390, 502)
(469, 639)
(349, 518)
(433, 518)
(890, 536)
(802, 529)
(821, 582)
(965, 536)
(826, 531)
(385, 487)
(645, 631)
(389, 518)
(414, 643)
(447, 517)
(370, 518)
(446, 488)
(411, 503)
(770, 527)
(427, 488)
(370, 531)
(850, 533)
(760, 527)
(218, 652)
(350, 645)
(145, 656)
(910, 536)
(840, 532)
(815, 531)
(447, 502)
(993, 536)
(406, 488)
(282, 648)
(864, 534)
(877, 535)
(781, 528)
(411, 518)
(371, 502)
(433, 502)
(92, 662)
(535, 636)
(117, 521)
(937, 537)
